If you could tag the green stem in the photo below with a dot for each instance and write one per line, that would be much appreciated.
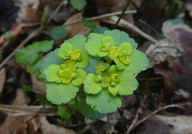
(74, 113)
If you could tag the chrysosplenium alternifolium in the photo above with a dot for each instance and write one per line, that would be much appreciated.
(101, 66)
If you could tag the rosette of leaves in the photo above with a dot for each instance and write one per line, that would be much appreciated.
(105, 63)
(116, 46)
(105, 89)
(60, 69)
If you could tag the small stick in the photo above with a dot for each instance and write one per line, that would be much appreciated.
(101, 17)
(125, 24)
(134, 121)
(148, 116)
(123, 12)
(74, 113)
(110, 14)
(64, 2)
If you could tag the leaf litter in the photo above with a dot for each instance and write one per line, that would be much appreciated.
(170, 58)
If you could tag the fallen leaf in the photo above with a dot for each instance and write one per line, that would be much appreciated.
(2, 79)
(172, 58)
(29, 124)
(153, 124)
(29, 8)
(78, 27)
(178, 124)
(14, 110)
(48, 128)
(163, 50)
(37, 86)
(20, 98)
(13, 32)
(35, 8)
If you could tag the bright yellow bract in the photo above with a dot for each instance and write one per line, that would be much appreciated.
(66, 75)
(101, 66)
(123, 57)
(71, 64)
(114, 52)
(107, 80)
(75, 54)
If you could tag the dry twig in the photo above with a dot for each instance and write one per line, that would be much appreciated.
(125, 24)
(123, 12)
(101, 16)
(136, 123)
(13, 110)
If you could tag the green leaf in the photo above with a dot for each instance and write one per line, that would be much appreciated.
(35, 68)
(93, 62)
(43, 46)
(60, 93)
(113, 90)
(64, 49)
(78, 42)
(104, 102)
(176, 1)
(40, 77)
(138, 62)
(127, 84)
(84, 60)
(87, 111)
(52, 58)
(63, 112)
(81, 74)
(26, 56)
(108, 40)
(51, 73)
(120, 37)
(90, 86)
(89, 24)
(32, 52)
(78, 4)
(176, 21)
(126, 47)
(119, 65)
(26, 88)
(99, 30)
(58, 32)
(93, 43)
(8, 35)
(45, 17)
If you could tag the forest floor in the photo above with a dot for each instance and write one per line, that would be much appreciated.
(162, 104)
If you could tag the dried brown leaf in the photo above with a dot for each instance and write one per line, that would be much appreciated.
(48, 128)
(24, 123)
(153, 125)
(14, 31)
(78, 27)
(37, 87)
(178, 124)
(172, 57)
(29, 8)
(163, 50)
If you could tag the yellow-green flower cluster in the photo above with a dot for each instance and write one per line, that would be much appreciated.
(104, 64)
